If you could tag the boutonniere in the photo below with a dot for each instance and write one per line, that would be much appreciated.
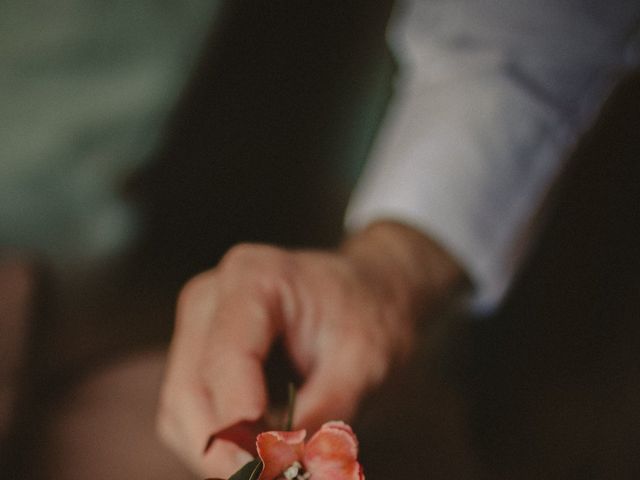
(330, 454)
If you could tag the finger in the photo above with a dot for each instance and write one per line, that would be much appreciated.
(189, 428)
(237, 389)
(240, 339)
(335, 386)
(185, 406)
(215, 375)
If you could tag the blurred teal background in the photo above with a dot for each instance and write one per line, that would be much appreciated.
(85, 89)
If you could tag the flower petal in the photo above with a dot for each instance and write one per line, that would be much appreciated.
(278, 451)
(332, 453)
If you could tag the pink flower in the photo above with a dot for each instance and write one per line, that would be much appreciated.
(331, 454)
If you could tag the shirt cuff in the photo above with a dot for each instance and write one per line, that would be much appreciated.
(468, 174)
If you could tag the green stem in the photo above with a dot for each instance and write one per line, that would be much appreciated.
(290, 407)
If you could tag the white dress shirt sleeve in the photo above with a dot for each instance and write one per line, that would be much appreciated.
(491, 97)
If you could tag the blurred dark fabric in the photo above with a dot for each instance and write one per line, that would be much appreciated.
(550, 386)
(263, 127)
(556, 375)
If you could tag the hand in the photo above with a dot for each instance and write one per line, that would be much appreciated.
(345, 318)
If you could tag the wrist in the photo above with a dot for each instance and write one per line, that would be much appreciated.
(412, 271)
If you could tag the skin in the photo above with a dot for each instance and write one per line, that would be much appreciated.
(347, 318)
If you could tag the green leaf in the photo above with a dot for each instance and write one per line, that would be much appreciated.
(251, 471)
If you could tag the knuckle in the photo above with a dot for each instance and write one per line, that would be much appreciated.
(252, 254)
(196, 289)
(262, 264)
(241, 253)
